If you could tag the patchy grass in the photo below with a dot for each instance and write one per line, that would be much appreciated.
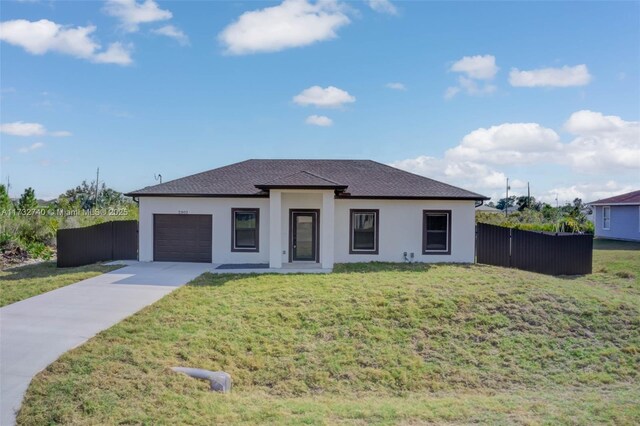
(618, 258)
(22, 282)
(368, 344)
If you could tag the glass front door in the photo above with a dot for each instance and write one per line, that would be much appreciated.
(303, 235)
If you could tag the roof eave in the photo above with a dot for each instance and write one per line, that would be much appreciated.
(405, 197)
(637, 203)
(256, 195)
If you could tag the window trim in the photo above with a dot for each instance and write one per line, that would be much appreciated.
(233, 230)
(604, 218)
(424, 232)
(376, 239)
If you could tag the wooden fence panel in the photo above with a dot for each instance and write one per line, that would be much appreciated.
(116, 240)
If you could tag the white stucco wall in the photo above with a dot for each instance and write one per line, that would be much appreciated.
(401, 230)
(220, 208)
(400, 227)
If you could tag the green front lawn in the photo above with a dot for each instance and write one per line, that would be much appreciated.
(368, 344)
(22, 282)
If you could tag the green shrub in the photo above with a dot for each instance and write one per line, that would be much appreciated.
(6, 239)
(532, 220)
(35, 229)
(39, 251)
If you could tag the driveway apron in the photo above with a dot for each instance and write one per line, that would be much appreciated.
(36, 331)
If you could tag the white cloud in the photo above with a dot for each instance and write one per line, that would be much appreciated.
(603, 146)
(329, 97)
(551, 77)
(480, 67)
(173, 32)
(293, 23)
(585, 121)
(40, 37)
(588, 192)
(31, 147)
(20, 128)
(603, 143)
(470, 87)
(319, 120)
(396, 86)
(451, 92)
(467, 174)
(474, 68)
(508, 143)
(131, 13)
(383, 6)
(117, 53)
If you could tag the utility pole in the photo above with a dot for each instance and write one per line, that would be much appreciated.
(97, 187)
(506, 201)
(528, 196)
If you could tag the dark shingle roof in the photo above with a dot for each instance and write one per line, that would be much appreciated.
(628, 198)
(302, 179)
(362, 178)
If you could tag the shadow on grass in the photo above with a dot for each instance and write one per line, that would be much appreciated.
(47, 269)
(34, 270)
(381, 267)
(217, 280)
(606, 244)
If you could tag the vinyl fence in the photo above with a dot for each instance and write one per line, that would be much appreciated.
(542, 252)
(116, 240)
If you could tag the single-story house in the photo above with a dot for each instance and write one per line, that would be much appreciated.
(317, 212)
(488, 209)
(618, 217)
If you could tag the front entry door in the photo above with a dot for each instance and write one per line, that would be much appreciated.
(304, 235)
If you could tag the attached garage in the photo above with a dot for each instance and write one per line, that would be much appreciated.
(182, 237)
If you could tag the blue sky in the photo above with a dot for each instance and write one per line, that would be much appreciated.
(465, 92)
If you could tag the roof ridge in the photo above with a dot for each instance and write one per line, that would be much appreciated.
(320, 177)
(297, 173)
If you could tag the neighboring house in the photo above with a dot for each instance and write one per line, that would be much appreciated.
(618, 217)
(488, 209)
(286, 212)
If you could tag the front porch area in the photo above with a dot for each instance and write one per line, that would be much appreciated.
(301, 229)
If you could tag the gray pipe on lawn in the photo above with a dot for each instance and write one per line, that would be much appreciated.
(219, 380)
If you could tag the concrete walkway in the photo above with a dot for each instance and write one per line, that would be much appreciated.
(36, 331)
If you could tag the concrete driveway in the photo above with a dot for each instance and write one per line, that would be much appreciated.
(36, 331)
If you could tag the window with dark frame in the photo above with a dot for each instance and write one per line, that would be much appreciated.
(245, 229)
(436, 232)
(363, 231)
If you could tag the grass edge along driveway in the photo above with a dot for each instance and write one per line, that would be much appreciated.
(21, 282)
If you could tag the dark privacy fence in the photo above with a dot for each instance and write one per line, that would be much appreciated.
(106, 241)
(543, 252)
